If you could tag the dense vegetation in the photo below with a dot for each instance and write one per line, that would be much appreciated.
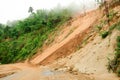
(21, 39)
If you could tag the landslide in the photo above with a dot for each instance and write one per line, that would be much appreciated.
(80, 54)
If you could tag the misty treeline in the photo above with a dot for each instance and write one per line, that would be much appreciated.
(21, 39)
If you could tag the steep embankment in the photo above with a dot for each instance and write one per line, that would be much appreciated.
(92, 59)
(69, 44)
(67, 41)
(88, 63)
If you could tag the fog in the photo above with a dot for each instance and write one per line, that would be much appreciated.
(18, 9)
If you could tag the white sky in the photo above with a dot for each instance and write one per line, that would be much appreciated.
(18, 9)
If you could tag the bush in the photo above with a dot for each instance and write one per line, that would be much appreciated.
(99, 27)
(118, 73)
(112, 14)
(116, 59)
(104, 34)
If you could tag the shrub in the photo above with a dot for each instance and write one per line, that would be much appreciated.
(99, 27)
(116, 59)
(104, 34)
(118, 73)
(112, 14)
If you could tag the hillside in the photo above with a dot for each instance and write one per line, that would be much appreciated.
(80, 49)
(20, 40)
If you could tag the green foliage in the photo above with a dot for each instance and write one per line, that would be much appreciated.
(22, 39)
(118, 25)
(99, 27)
(104, 34)
(118, 73)
(115, 63)
(112, 14)
(112, 27)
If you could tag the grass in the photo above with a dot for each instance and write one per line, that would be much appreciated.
(112, 14)
(104, 34)
(114, 64)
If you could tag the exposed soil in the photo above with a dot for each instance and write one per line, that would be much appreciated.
(69, 44)
(57, 63)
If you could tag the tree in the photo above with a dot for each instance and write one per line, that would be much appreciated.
(30, 10)
(7, 32)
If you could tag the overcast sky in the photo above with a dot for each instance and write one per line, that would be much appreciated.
(18, 9)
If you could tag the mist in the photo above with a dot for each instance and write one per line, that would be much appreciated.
(18, 9)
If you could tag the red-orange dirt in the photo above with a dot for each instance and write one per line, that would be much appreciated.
(69, 44)
(65, 43)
